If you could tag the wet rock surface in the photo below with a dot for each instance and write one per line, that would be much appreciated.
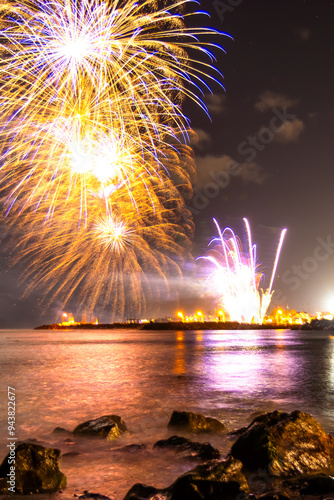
(212, 481)
(202, 451)
(285, 444)
(318, 484)
(195, 423)
(37, 470)
(140, 491)
(109, 427)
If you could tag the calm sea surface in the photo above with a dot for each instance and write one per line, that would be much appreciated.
(64, 378)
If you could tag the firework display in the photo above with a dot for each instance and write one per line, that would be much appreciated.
(234, 279)
(94, 167)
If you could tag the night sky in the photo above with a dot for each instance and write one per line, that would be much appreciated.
(275, 126)
(281, 63)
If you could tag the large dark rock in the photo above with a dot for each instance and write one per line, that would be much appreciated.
(36, 470)
(203, 451)
(196, 423)
(318, 484)
(285, 444)
(140, 491)
(108, 427)
(212, 481)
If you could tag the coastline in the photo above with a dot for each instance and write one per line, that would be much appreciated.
(170, 325)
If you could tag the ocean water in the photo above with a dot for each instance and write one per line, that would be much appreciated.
(62, 378)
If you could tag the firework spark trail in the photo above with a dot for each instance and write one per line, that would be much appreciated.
(55, 48)
(108, 261)
(94, 169)
(233, 277)
(91, 68)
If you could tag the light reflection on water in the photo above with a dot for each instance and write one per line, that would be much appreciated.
(64, 378)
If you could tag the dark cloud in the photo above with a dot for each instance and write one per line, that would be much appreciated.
(200, 139)
(269, 100)
(216, 103)
(211, 167)
(289, 131)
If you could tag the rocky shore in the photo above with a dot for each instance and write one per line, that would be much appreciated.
(278, 456)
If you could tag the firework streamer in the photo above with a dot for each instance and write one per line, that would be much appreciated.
(233, 276)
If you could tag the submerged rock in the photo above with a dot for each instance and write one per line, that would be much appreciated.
(196, 423)
(71, 454)
(36, 470)
(203, 451)
(61, 430)
(108, 427)
(212, 481)
(140, 491)
(285, 444)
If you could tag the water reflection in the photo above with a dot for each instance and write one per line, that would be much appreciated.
(179, 363)
(63, 378)
(77, 375)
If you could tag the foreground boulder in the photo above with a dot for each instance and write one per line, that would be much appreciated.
(285, 444)
(108, 427)
(203, 451)
(196, 423)
(212, 481)
(36, 470)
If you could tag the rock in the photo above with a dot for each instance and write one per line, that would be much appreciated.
(195, 422)
(108, 427)
(285, 444)
(237, 432)
(29, 440)
(140, 491)
(36, 470)
(203, 451)
(95, 496)
(61, 430)
(212, 481)
(71, 454)
(318, 484)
